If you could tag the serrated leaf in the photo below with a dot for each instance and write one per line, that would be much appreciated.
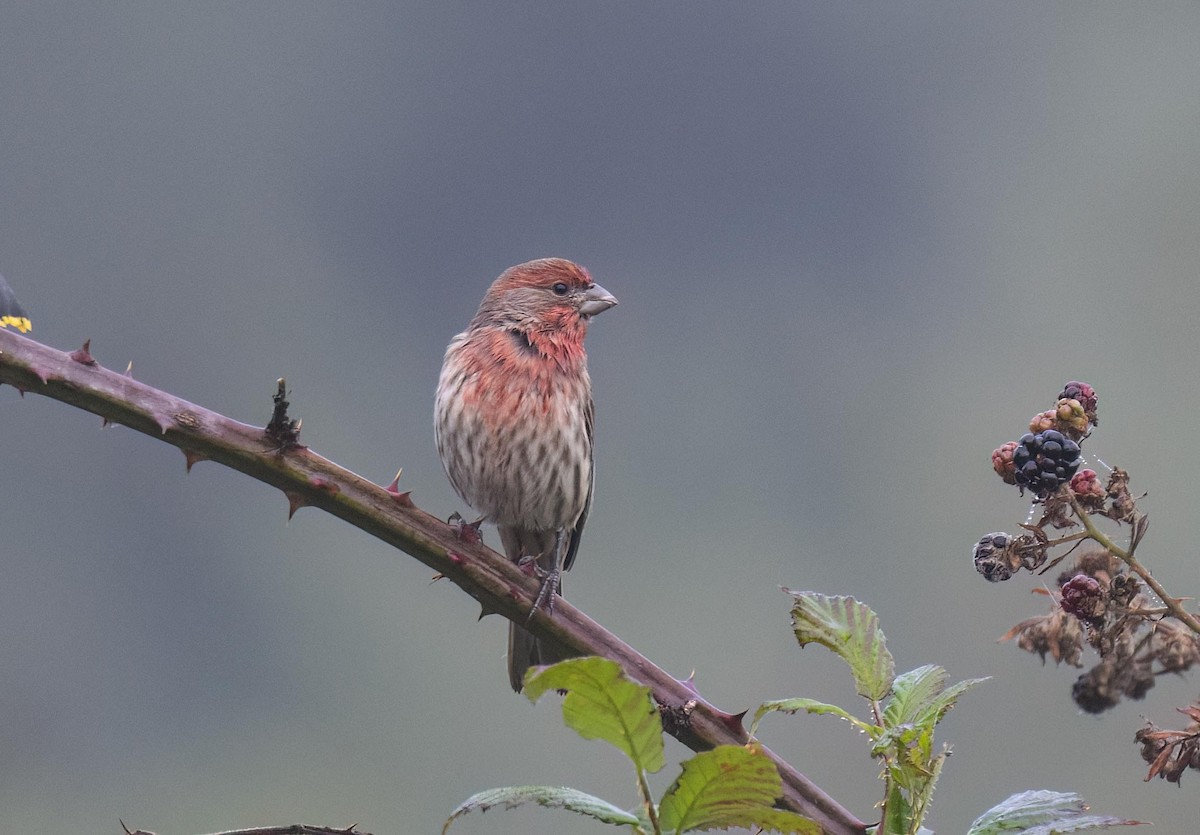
(781, 820)
(601, 703)
(809, 706)
(911, 692)
(921, 697)
(851, 630)
(1042, 813)
(922, 794)
(550, 796)
(729, 786)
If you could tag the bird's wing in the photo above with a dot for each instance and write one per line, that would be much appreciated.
(589, 418)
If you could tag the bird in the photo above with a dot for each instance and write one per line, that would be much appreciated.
(513, 421)
(11, 313)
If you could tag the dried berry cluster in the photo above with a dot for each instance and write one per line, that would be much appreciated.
(1170, 753)
(1103, 606)
(1101, 600)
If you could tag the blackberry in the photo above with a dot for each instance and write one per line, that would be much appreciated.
(1083, 597)
(1043, 421)
(1002, 462)
(1088, 490)
(993, 557)
(1094, 691)
(1044, 461)
(1085, 394)
(1070, 418)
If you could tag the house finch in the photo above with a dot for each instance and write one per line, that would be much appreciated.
(513, 420)
(11, 314)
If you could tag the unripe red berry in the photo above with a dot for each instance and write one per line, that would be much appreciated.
(1086, 487)
(1002, 462)
(1083, 597)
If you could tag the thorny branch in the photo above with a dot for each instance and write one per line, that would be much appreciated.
(388, 514)
(293, 829)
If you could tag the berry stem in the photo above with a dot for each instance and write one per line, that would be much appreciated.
(648, 801)
(1075, 537)
(1098, 536)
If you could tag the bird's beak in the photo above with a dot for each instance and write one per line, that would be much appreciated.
(596, 300)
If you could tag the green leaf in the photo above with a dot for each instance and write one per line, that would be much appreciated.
(550, 796)
(602, 704)
(781, 820)
(809, 706)
(896, 813)
(921, 794)
(912, 692)
(729, 786)
(921, 697)
(1042, 813)
(851, 630)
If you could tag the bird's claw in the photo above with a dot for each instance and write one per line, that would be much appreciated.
(464, 530)
(529, 567)
(546, 594)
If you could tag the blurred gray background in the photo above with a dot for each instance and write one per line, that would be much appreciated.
(856, 247)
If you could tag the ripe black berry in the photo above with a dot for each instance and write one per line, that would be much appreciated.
(1044, 461)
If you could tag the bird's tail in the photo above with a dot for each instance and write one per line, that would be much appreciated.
(524, 650)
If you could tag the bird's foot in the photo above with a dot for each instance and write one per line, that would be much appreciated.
(466, 531)
(547, 593)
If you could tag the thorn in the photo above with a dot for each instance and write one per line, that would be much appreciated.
(733, 721)
(403, 499)
(394, 487)
(84, 354)
(164, 423)
(485, 610)
(129, 370)
(192, 457)
(295, 502)
(436, 577)
(41, 373)
(689, 683)
(105, 422)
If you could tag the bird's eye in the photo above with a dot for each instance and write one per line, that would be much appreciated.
(560, 289)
